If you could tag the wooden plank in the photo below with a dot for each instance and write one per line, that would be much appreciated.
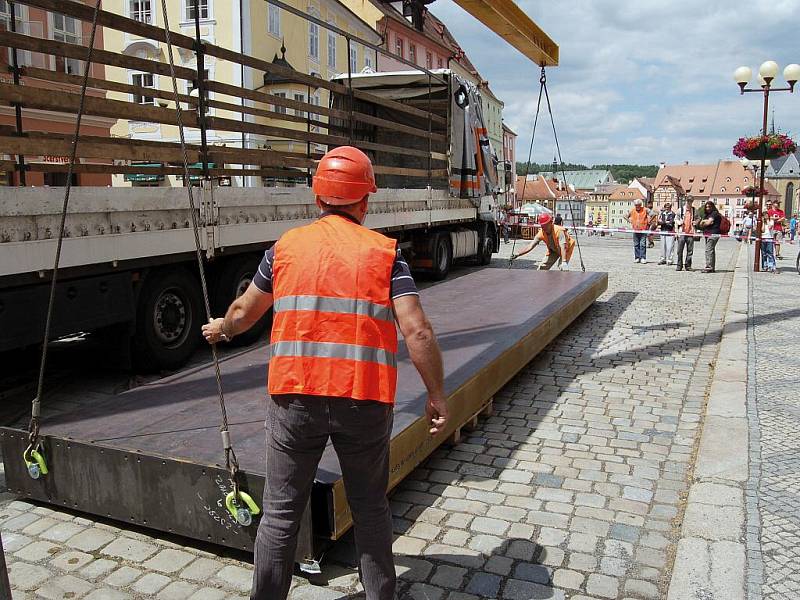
(106, 57)
(511, 23)
(104, 84)
(261, 112)
(240, 92)
(110, 150)
(380, 170)
(221, 124)
(164, 170)
(65, 102)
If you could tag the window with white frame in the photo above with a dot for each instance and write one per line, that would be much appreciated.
(353, 58)
(313, 41)
(274, 20)
(314, 99)
(144, 80)
(203, 8)
(331, 50)
(412, 53)
(439, 63)
(67, 29)
(399, 47)
(23, 56)
(300, 98)
(141, 10)
(368, 60)
(277, 108)
(428, 60)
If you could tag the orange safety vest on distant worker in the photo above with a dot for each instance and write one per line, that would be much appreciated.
(640, 219)
(333, 331)
(551, 243)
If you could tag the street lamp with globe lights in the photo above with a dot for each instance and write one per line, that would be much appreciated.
(766, 75)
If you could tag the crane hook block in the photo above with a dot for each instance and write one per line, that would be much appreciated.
(34, 461)
(242, 514)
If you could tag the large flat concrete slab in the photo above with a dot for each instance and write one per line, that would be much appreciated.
(152, 456)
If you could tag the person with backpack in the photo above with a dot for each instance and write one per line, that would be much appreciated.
(666, 223)
(711, 224)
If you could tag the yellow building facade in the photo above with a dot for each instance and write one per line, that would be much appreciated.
(252, 27)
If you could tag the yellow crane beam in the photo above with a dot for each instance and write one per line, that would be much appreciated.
(508, 21)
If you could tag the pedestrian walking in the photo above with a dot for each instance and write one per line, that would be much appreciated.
(768, 246)
(748, 224)
(505, 227)
(778, 217)
(710, 224)
(337, 290)
(666, 222)
(560, 245)
(792, 228)
(639, 220)
(652, 214)
(686, 228)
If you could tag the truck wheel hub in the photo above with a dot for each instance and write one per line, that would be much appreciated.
(170, 317)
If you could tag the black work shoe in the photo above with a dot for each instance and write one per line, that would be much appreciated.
(688, 268)
(679, 268)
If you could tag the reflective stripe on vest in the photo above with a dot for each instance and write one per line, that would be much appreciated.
(330, 350)
(350, 306)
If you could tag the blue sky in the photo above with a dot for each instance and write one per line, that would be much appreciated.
(640, 81)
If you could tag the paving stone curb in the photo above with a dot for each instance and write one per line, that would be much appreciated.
(711, 558)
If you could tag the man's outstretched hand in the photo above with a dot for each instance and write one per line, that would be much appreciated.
(436, 411)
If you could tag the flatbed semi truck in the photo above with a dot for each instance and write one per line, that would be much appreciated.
(128, 263)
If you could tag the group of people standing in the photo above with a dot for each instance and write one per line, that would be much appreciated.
(679, 230)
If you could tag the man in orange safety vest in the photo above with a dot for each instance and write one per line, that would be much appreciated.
(337, 289)
(557, 240)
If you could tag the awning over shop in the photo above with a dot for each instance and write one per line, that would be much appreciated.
(144, 177)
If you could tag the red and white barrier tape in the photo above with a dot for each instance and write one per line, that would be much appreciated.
(670, 233)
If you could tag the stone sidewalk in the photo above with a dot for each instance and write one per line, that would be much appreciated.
(575, 488)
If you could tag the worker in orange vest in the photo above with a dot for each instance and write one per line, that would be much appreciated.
(639, 218)
(560, 245)
(337, 289)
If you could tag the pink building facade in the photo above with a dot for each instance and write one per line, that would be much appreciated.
(429, 48)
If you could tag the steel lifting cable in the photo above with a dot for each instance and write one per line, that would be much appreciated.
(563, 172)
(241, 512)
(542, 79)
(33, 456)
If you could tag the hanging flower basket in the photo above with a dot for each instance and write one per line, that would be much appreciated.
(754, 191)
(772, 145)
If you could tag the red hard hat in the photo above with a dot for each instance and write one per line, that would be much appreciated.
(344, 176)
(545, 218)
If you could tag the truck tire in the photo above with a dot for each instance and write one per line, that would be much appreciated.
(486, 250)
(232, 282)
(442, 256)
(169, 315)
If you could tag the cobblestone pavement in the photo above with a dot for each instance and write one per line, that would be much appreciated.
(775, 420)
(573, 490)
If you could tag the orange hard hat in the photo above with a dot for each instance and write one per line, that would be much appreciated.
(344, 176)
(545, 218)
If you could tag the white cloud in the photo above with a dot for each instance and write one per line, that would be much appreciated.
(639, 81)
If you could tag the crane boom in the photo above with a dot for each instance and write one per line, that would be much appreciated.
(508, 21)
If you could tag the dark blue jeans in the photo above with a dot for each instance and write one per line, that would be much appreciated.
(640, 245)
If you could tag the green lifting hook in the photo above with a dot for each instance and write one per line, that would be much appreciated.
(34, 461)
(242, 514)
